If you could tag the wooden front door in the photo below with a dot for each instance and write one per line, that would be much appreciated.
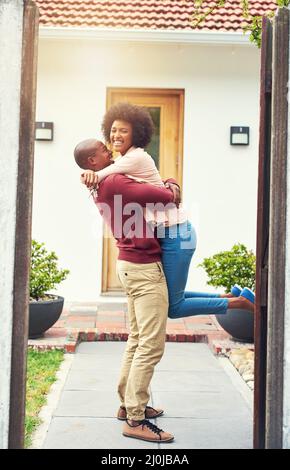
(166, 148)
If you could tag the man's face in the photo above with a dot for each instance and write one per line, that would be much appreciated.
(100, 158)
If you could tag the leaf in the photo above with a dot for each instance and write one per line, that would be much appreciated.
(254, 25)
(44, 271)
(226, 268)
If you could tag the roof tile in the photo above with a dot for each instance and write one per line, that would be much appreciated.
(147, 14)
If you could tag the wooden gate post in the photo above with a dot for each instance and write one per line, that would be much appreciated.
(278, 235)
(18, 41)
(263, 236)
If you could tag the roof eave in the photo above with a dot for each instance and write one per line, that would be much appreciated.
(146, 35)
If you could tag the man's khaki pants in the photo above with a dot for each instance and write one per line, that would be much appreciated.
(146, 288)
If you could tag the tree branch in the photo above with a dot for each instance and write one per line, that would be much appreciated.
(254, 21)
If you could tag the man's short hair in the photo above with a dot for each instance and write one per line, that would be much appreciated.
(83, 151)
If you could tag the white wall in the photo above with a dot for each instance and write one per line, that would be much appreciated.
(221, 89)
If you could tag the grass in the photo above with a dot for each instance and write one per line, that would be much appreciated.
(41, 373)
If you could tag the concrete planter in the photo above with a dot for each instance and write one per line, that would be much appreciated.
(239, 324)
(43, 315)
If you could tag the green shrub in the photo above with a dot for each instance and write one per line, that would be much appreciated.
(227, 268)
(44, 272)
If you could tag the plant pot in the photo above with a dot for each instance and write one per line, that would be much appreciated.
(43, 314)
(239, 324)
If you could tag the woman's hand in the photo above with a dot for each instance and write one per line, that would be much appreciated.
(89, 178)
(176, 192)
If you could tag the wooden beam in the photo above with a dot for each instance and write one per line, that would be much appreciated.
(277, 233)
(263, 236)
(23, 226)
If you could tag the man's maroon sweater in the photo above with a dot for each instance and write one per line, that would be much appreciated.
(136, 241)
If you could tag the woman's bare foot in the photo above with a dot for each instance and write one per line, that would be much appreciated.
(241, 302)
(228, 296)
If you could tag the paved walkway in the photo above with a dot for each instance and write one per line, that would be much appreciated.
(206, 405)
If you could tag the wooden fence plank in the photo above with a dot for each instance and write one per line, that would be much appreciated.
(263, 236)
(23, 226)
(277, 234)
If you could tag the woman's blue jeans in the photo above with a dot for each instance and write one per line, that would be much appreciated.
(178, 243)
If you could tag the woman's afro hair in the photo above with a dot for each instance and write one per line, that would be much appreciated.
(137, 116)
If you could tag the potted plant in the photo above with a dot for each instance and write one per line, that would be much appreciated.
(44, 308)
(224, 269)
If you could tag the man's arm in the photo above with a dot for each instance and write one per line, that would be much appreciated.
(170, 181)
(131, 191)
(172, 184)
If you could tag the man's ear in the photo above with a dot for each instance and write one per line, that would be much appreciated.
(91, 160)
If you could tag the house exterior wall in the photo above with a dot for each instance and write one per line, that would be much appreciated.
(221, 86)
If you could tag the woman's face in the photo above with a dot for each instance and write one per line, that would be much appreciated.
(121, 136)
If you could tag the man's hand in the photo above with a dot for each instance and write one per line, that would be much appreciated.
(176, 192)
(89, 178)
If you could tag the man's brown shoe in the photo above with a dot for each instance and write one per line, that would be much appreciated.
(146, 431)
(150, 413)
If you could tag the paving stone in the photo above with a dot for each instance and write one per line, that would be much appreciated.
(100, 380)
(89, 403)
(97, 362)
(57, 342)
(110, 319)
(225, 433)
(200, 326)
(105, 347)
(187, 349)
(91, 433)
(187, 358)
(108, 326)
(82, 325)
(202, 405)
(113, 306)
(83, 310)
(197, 381)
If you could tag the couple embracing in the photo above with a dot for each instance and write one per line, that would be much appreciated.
(155, 250)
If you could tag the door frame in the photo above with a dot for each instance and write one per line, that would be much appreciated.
(146, 92)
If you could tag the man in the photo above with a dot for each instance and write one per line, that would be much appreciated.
(141, 274)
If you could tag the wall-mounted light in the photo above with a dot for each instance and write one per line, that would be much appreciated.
(240, 135)
(44, 131)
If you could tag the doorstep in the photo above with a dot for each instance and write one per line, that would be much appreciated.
(90, 322)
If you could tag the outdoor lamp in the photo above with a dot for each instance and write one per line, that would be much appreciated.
(44, 131)
(240, 135)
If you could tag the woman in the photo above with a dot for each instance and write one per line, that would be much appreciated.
(128, 129)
